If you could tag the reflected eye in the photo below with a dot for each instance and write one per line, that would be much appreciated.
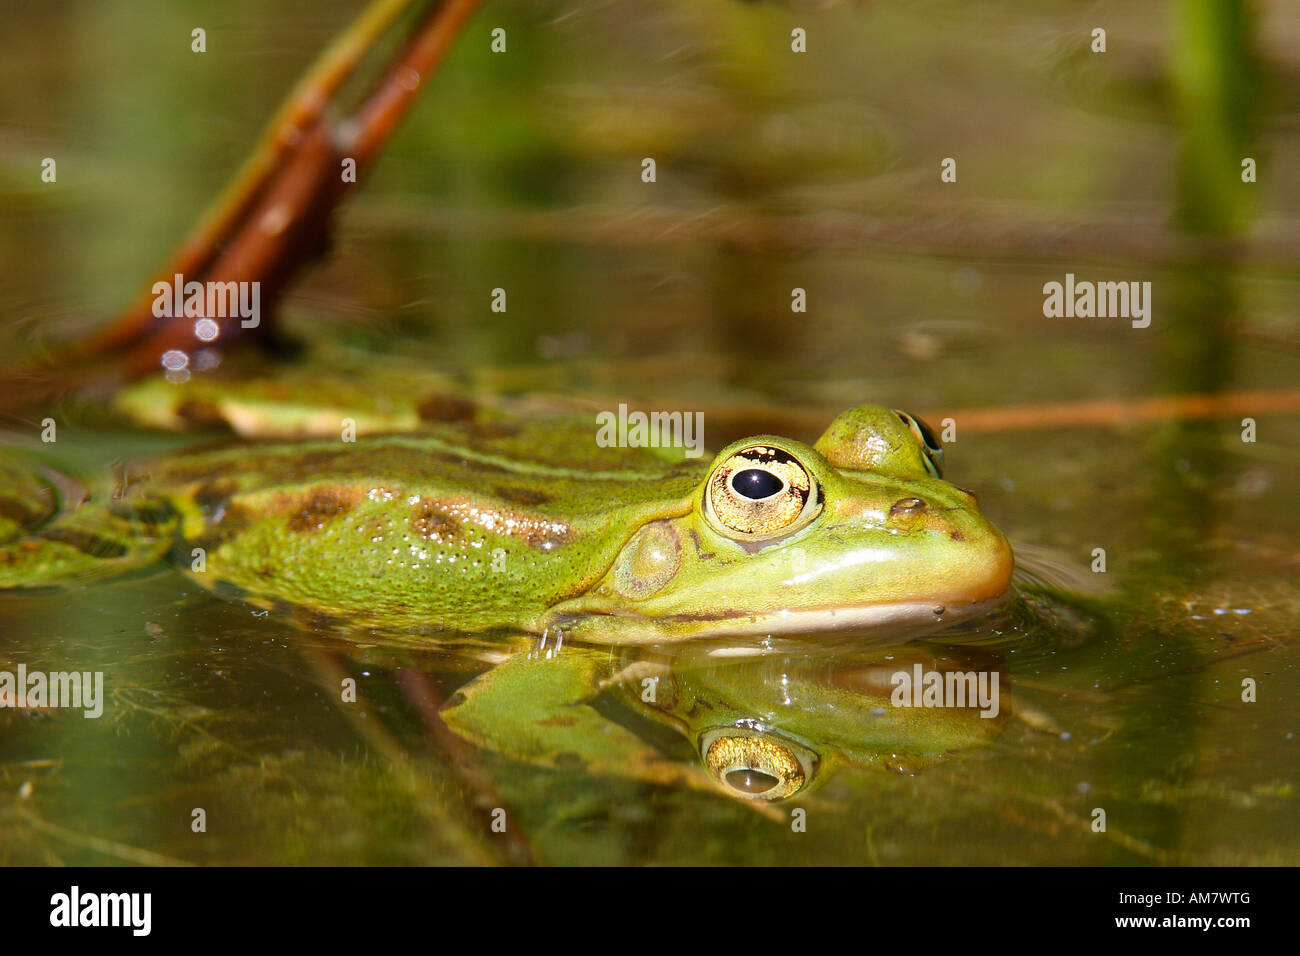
(760, 491)
(931, 447)
(754, 766)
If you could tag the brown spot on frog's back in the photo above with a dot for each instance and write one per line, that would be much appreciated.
(441, 519)
(432, 522)
(313, 510)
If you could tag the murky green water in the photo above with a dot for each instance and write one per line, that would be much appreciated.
(775, 171)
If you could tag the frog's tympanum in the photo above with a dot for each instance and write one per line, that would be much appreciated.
(474, 526)
(765, 728)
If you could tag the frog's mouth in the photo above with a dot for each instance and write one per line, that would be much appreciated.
(745, 631)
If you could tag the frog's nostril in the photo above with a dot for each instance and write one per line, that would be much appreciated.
(908, 506)
(748, 780)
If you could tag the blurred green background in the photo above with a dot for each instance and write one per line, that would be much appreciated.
(775, 170)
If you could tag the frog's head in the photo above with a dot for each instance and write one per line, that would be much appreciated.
(858, 533)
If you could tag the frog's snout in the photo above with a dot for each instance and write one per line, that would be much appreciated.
(965, 551)
(1001, 562)
(983, 562)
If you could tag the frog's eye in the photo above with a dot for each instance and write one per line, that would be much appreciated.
(756, 766)
(759, 491)
(931, 447)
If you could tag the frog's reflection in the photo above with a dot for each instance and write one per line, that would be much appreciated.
(766, 728)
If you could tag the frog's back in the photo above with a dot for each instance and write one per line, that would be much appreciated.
(462, 525)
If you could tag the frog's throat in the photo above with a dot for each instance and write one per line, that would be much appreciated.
(892, 622)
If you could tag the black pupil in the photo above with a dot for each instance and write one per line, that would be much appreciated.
(751, 781)
(756, 483)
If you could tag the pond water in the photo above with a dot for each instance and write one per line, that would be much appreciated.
(775, 171)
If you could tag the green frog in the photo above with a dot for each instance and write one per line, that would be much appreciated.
(478, 523)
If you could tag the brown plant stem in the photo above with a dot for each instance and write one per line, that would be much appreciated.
(275, 215)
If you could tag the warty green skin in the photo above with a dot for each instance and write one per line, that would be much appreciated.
(532, 526)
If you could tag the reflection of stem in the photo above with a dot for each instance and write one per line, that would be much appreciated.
(330, 677)
(112, 848)
(462, 758)
(1127, 841)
